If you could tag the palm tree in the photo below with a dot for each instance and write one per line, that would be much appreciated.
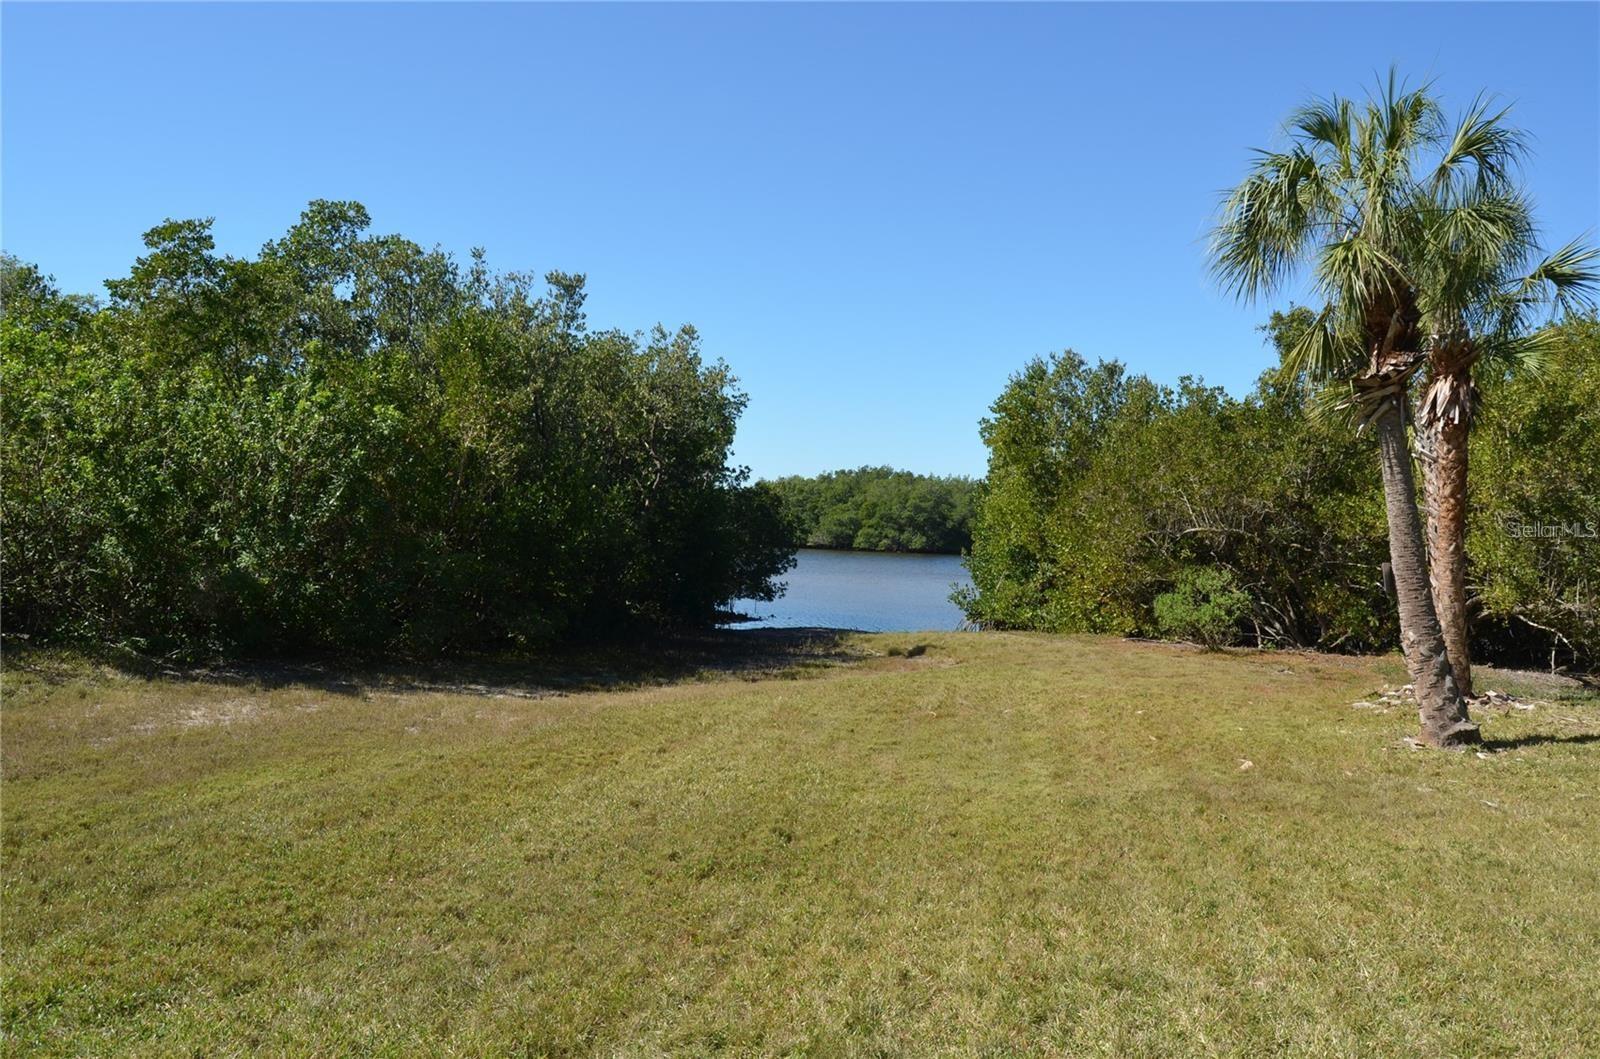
(1481, 283)
(1343, 199)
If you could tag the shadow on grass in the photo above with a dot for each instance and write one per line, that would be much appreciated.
(750, 654)
(1539, 740)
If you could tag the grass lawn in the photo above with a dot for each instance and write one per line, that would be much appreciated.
(991, 844)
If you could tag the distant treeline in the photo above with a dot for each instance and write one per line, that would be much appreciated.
(350, 443)
(880, 509)
(1114, 504)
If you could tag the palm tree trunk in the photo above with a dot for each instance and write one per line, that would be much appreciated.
(1447, 552)
(1440, 707)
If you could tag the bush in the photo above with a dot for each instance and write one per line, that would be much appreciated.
(1204, 607)
(349, 443)
(1105, 488)
(1533, 534)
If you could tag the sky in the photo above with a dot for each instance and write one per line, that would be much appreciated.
(874, 213)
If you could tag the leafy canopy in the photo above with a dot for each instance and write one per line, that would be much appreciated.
(352, 443)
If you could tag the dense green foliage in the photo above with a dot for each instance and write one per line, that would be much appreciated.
(1105, 489)
(1533, 535)
(352, 443)
(1205, 606)
(882, 510)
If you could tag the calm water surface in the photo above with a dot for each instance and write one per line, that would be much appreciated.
(873, 591)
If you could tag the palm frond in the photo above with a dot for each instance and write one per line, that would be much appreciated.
(1570, 276)
(1320, 352)
(1403, 120)
(1333, 403)
(1526, 352)
(1325, 123)
(1471, 241)
(1483, 149)
(1266, 223)
(1358, 271)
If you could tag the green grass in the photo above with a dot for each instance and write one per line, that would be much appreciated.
(995, 845)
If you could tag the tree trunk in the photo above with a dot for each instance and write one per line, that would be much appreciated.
(1447, 545)
(1440, 707)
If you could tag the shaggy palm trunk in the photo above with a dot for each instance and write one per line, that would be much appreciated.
(1447, 552)
(1440, 707)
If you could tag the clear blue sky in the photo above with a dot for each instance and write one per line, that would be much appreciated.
(874, 213)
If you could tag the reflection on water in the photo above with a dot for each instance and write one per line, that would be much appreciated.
(872, 591)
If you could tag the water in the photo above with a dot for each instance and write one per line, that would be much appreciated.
(872, 591)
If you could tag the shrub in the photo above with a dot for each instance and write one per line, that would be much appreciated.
(1204, 607)
(1103, 487)
(350, 443)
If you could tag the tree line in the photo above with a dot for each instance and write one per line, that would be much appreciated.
(1114, 503)
(351, 443)
(880, 509)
